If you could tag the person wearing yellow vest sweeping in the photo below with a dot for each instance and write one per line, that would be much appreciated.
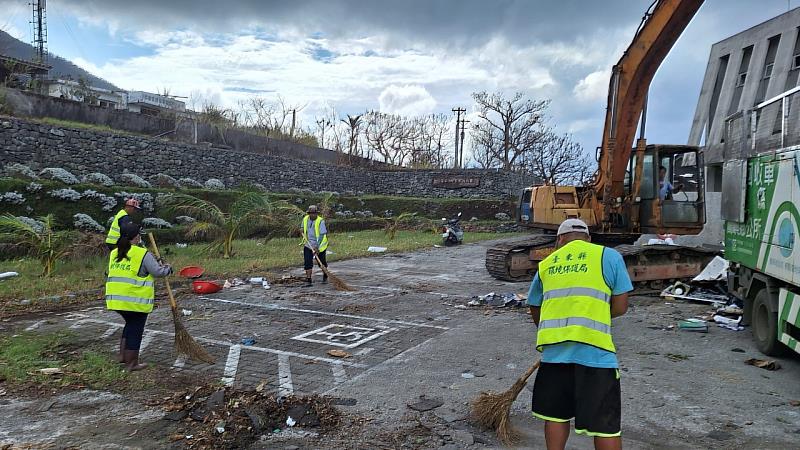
(123, 216)
(572, 299)
(130, 290)
(315, 241)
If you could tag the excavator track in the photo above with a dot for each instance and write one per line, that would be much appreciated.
(648, 265)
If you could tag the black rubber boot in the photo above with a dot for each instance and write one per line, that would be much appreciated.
(132, 363)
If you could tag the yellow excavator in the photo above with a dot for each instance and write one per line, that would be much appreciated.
(654, 189)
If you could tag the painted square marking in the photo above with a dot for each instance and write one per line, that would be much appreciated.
(345, 336)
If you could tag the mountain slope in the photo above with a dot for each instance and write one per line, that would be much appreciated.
(62, 68)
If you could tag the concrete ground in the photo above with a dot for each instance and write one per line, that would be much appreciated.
(408, 335)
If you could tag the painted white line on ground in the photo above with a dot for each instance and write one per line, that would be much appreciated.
(35, 325)
(324, 313)
(180, 361)
(249, 347)
(354, 336)
(284, 376)
(110, 331)
(231, 365)
(79, 323)
(339, 375)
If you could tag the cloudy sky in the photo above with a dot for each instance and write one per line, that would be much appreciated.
(408, 57)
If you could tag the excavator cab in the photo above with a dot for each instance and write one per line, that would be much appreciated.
(670, 197)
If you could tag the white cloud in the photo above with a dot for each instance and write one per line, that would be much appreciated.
(593, 87)
(407, 100)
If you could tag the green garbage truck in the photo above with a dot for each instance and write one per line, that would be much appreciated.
(760, 200)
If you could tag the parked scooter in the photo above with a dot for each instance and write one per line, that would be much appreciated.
(452, 234)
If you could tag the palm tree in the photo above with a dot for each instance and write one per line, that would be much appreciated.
(249, 212)
(392, 224)
(37, 237)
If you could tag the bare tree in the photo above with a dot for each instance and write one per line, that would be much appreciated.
(558, 160)
(507, 127)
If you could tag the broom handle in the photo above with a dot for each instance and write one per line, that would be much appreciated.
(172, 301)
(530, 371)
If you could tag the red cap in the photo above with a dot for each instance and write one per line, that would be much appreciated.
(133, 202)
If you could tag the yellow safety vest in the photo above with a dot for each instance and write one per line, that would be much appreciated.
(125, 289)
(322, 245)
(577, 300)
(113, 231)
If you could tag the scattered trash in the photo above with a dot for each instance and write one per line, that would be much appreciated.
(186, 312)
(680, 291)
(376, 249)
(468, 375)
(763, 364)
(256, 280)
(507, 300)
(5, 275)
(248, 341)
(262, 385)
(730, 324)
(290, 422)
(698, 325)
(339, 353)
(716, 270)
(51, 371)
(437, 246)
(730, 310)
(425, 404)
(220, 427)
(205, 287)
(738, 350)
(265, 284)
(227, 285)
(669, 240)
(794, 403)
(181, 245)
(460, 306)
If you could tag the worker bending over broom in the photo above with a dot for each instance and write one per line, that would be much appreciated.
(130, 290)
(315, 242)
(572, 299)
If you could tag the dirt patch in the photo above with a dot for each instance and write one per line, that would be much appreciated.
(213, 417)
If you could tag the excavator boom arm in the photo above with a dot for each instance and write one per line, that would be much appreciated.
(627, 93)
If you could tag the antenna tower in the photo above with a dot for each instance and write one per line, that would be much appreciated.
(39, 23)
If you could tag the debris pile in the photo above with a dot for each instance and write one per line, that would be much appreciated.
(225, 418)
(507, 300)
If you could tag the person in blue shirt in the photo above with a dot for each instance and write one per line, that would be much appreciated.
(665, 188)
(575, 379)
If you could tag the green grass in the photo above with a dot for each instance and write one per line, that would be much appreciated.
(81, 125)
(23, 355)
(252, 256)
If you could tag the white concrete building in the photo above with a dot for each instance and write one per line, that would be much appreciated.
(72, 90)
(153, 104)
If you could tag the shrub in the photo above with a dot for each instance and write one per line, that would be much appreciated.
(145, 199)
(33, 187)
(15, 198)
(70, 195)
(84, 222)
(131, 179)
(164, 181)
(189, 183)
(98, 178)
(59, 174)
(36, 225)
(184, 220)
(155, 222)
(108, 202)
(20, 171)
(214, 184)
(38, 239)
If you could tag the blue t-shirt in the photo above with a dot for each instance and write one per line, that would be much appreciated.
(616, 275)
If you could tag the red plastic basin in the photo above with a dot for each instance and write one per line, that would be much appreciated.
(191, 272)
(205, 287)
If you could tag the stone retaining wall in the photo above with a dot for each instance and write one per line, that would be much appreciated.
(81, 152)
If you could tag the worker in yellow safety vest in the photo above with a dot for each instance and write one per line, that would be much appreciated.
(130, 290)
(572, 299)
(123, 216)
(315, 242)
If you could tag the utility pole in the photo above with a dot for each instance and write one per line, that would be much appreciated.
(291, 131)
(461, 150)
(459, 132)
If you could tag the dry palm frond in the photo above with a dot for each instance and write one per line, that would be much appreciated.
(492, 410)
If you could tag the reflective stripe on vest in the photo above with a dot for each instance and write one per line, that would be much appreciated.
(125, 289)
(317, 223)
(113, 230)
(577, 300)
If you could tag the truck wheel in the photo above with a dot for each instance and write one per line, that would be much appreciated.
(765, 326)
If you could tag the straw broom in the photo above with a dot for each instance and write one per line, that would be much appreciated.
(184, 343)
(492, 410)
(337, 282)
